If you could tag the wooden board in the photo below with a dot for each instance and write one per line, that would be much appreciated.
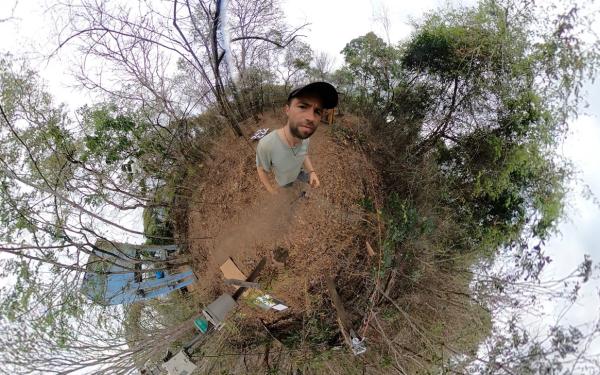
(231, 271)
(337, 303)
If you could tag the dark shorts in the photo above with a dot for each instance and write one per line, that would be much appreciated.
(302, 177)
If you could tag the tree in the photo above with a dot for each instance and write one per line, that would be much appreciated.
(467, 115)
(63, 187)
(323, 65)
(295, 64)
(484, 66)
(497, 114)
(140, 43)
(68, 183)
(376, 71)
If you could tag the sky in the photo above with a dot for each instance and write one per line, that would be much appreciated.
(332, 24)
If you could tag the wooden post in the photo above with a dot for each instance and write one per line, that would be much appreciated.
(342, 318)
(355, 343)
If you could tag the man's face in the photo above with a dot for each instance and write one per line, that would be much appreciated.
(304, 115)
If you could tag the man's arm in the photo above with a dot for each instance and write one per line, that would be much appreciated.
(263, 165)
(313, 179)
(264, 178)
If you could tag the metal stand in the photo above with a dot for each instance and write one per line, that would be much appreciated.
(215, 313)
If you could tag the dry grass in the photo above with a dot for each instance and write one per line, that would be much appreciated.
(413, 315)
(319, 233)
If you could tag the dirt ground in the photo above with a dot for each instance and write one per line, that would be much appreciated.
(308, 240)
(307, 234)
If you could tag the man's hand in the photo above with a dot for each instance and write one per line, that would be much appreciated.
(313, 179)
(262, 176)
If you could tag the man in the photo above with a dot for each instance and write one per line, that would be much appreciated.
(284, 151)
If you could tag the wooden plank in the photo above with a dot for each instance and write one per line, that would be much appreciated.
(245, 284)
(337, 303)
(255, 272)
(344, 322)
(345, 334)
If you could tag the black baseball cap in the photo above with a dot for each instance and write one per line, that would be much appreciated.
(325, 91)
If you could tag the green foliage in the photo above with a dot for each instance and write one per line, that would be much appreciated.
(113, 136)
(249, 92)
(123, 139)
(158, 216)
(320, 331)
(367, 204)
(174, 309)
(486, 87)
(158, 224)
(375, 85)
(296, 64)
(316, 330)
(371, 72)
(450, 49)
(466, 118)
(499, 187)
(403, 223)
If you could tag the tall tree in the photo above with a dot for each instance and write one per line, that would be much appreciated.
(294, 64)
(65, 185)
(140, 41)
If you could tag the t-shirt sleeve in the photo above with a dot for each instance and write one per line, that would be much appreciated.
(263, 156)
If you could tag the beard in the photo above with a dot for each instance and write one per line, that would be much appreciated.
(296, 132)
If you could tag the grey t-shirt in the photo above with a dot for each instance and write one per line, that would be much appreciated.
(286, 161)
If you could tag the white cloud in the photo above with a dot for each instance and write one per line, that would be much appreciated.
(579, 234)
(334, 23)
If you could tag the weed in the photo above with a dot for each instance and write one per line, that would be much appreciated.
(367, 204)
